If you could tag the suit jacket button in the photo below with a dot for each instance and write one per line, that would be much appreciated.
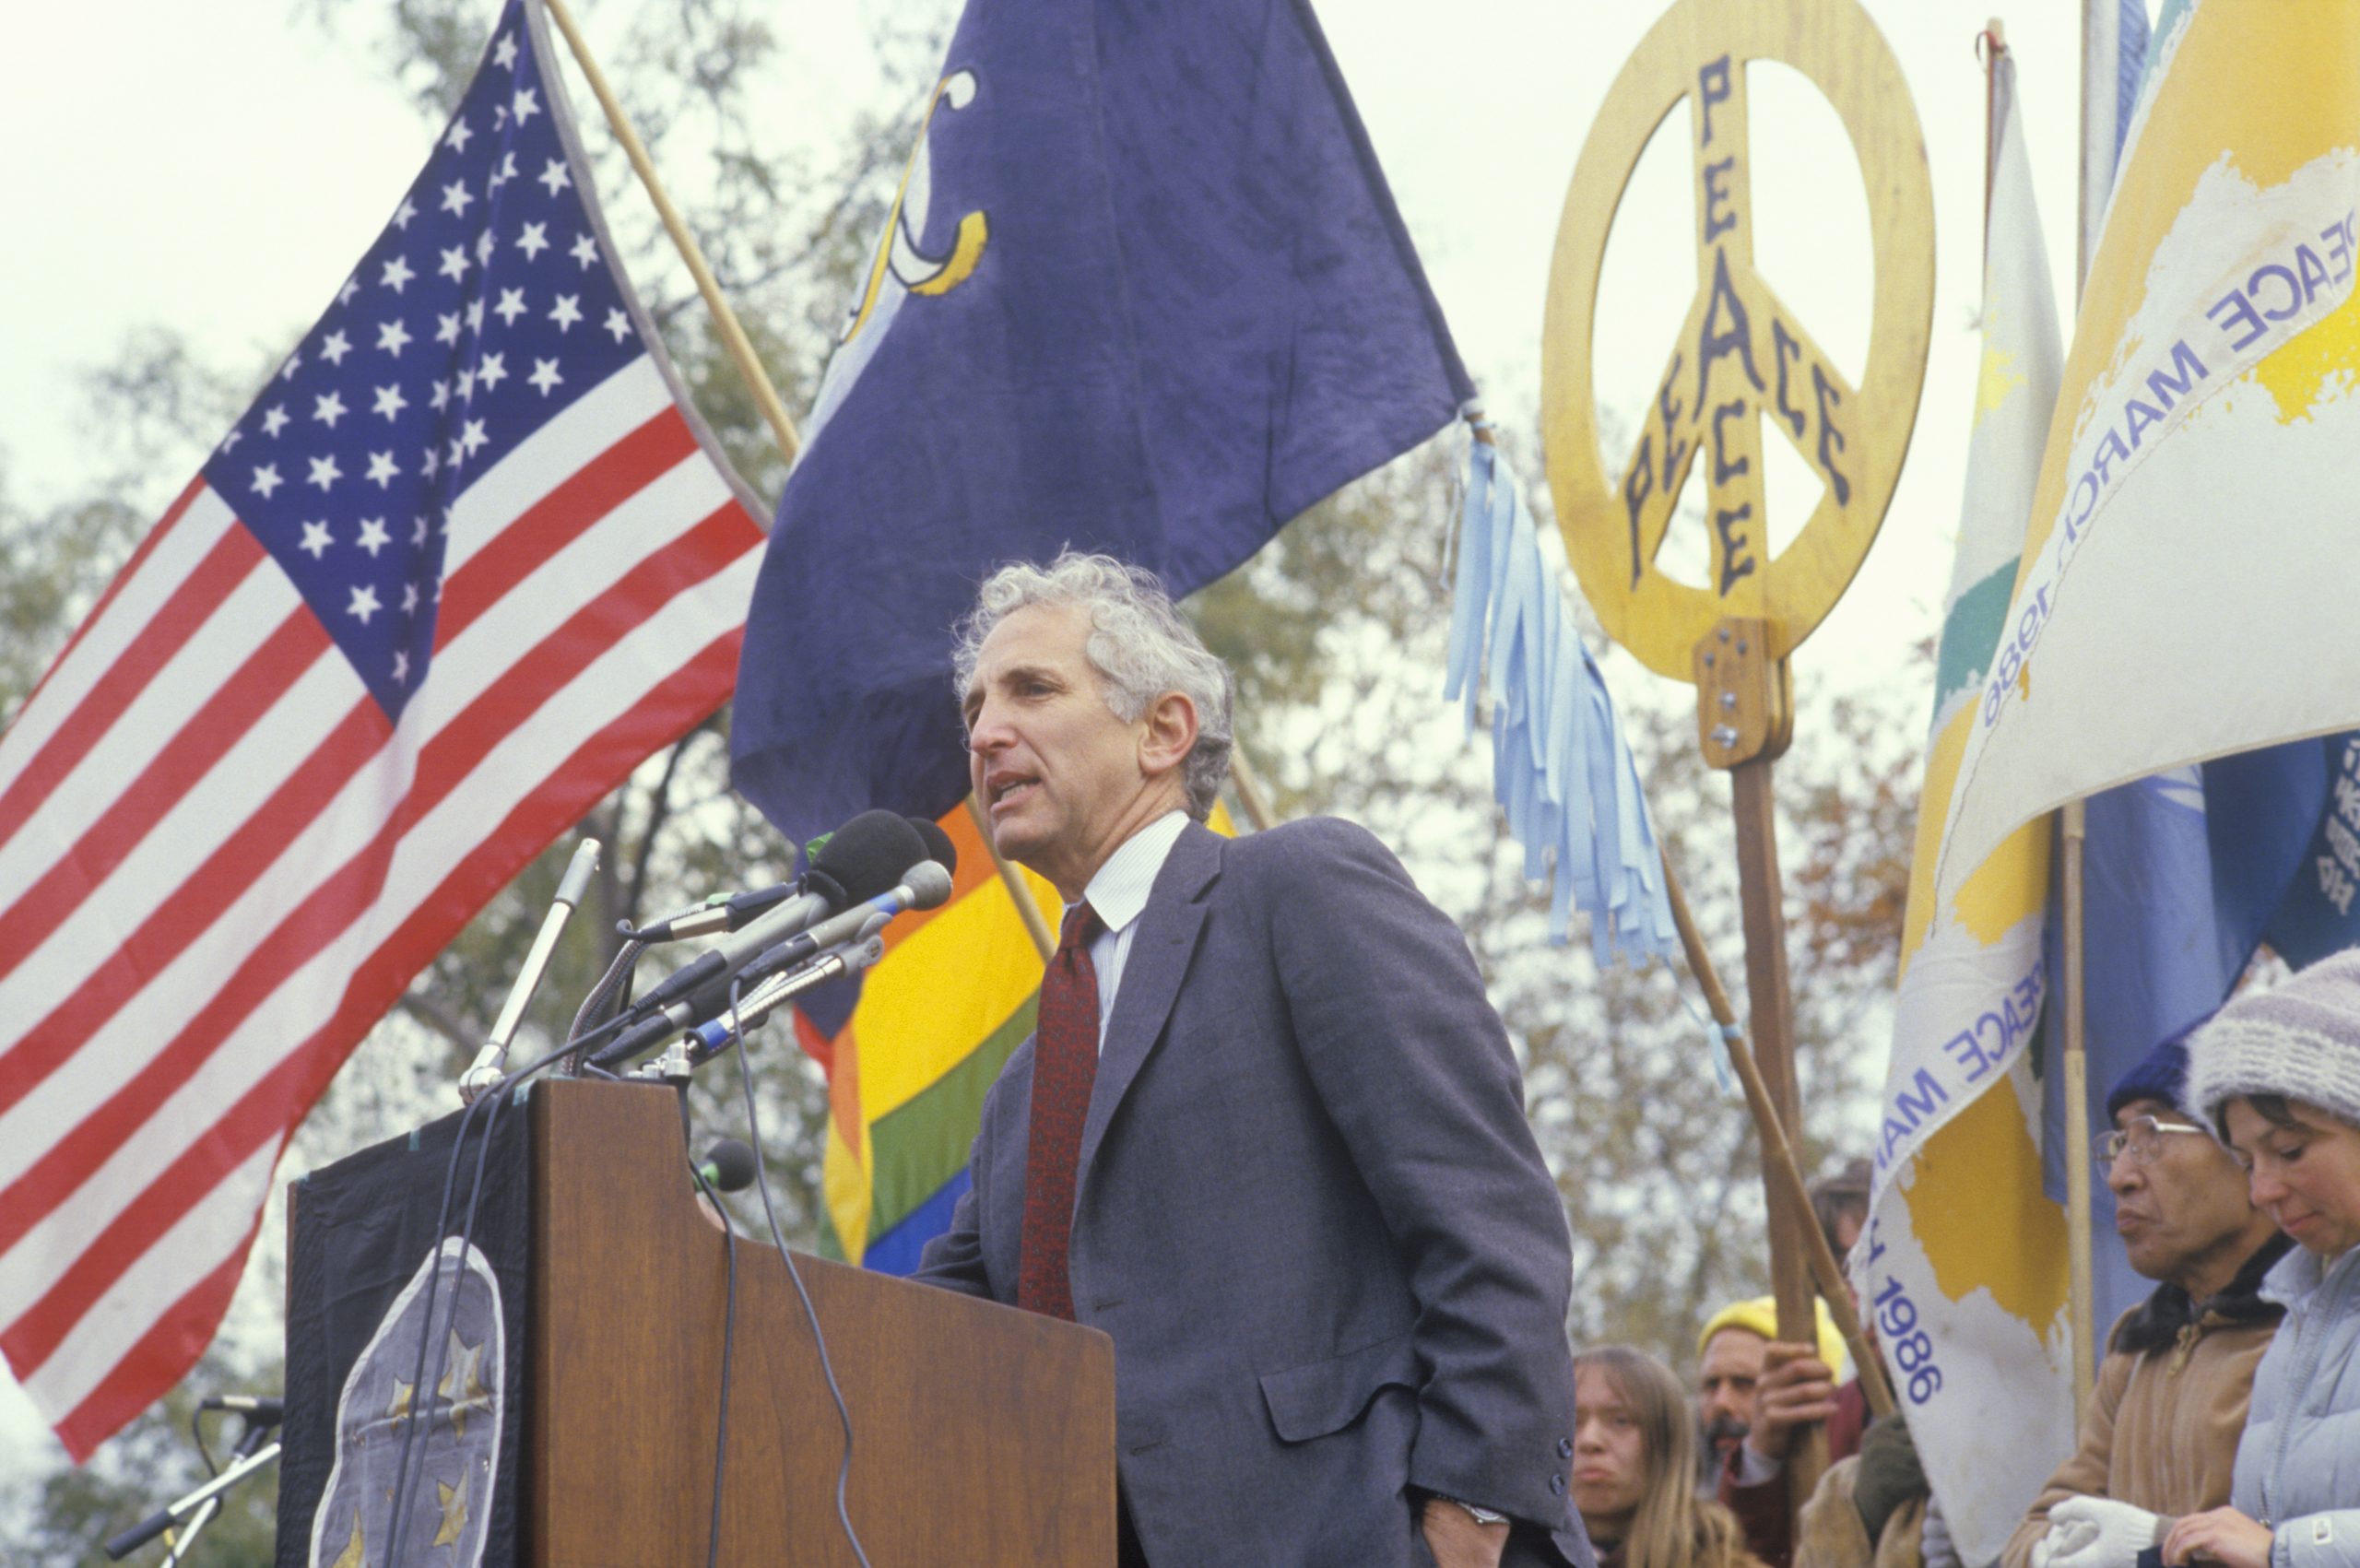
(1564, 1448)
(1557, 1485)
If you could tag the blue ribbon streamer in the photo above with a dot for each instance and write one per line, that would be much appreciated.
(1561, 768)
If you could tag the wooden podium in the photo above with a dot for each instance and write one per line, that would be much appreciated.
(982, 1435)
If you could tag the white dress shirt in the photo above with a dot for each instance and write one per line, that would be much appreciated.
(1119, 895)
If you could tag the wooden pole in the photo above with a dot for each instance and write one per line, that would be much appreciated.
(2101, 49)
(1778, 1153)
(733, 337)
(1019, 891)
(1744, 719)
(2073, 825)
(1250, 794)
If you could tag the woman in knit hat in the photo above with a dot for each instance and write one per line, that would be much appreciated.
(2279, 1073)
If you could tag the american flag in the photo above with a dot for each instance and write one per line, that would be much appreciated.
(467, 559)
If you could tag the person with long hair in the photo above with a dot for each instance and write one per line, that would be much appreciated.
(1633, 1435)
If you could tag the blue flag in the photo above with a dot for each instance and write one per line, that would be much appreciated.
(1143, 291)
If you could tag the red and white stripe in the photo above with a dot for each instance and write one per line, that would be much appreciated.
(219, 863)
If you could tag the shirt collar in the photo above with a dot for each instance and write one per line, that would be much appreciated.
(1119, 890)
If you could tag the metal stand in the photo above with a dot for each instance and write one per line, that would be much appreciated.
(200, 1507)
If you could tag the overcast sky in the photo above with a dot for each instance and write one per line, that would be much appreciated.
(217, 170)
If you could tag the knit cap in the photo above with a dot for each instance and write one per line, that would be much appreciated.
(1760, 1315)
(2300, 1040)
(2161, 1074)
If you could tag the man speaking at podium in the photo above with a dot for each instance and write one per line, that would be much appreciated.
(1268, 1135)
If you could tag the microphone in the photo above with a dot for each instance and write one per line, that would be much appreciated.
(727, 1166)
(259, 1411)
(925, 885)
(721, 911)
(939, 847)
(860, 859)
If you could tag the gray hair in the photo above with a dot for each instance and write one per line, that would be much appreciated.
(1139, 644)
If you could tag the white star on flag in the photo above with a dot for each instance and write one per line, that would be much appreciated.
(266, 479)
(364, 604)
(327, 410)
(390, 401)
(545, 375)
(566, 311)
(555, 177)
(392, 336)
(382, 469)
(397, 273)
(336, 345)
(374, 536)
(325, 473)
(316, 540)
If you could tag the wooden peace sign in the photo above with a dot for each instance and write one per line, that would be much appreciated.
(1742, 354)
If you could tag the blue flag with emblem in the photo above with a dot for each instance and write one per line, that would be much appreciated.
(1142, 290)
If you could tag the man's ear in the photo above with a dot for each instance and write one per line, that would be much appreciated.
(1169, 735)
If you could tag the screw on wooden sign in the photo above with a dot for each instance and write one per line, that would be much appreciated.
(1740, 353)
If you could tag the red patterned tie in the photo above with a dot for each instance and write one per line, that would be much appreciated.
(1065, 1063)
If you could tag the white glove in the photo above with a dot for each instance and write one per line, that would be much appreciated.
(1936, 1548)
(2096, 1532)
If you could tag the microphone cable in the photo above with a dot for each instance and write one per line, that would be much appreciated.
(728, 1329)
(786, 1255)
(422, 1391)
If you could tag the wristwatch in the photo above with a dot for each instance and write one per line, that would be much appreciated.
(1480, 1515)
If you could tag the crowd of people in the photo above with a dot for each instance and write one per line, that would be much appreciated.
(2224, 1425)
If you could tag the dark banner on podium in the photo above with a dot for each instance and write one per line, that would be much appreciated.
(405, 1326)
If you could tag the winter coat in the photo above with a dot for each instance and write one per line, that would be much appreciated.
(2162, 1426)
(2298, 1466)
(1832, 1535)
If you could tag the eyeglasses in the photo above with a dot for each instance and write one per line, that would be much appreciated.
(2142, 1140)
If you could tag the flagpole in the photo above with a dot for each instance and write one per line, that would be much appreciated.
(1019, 891)
(1780, 1153)
(733, 337)
(758, 384)
(2101, 48)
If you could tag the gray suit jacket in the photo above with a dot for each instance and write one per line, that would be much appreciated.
(1311, 1214)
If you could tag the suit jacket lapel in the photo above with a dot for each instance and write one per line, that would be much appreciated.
(1151, 976)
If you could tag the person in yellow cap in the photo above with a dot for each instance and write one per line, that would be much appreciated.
(1751, 1417)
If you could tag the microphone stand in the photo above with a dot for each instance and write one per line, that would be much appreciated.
(486, 1070)
(201, 1506)
(700, 1044)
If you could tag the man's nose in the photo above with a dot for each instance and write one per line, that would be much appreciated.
(2124, 1174)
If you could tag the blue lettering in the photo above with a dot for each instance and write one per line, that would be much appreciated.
(2312, 271)
(1921, 1105)
(1827, 394)
(2163, 386)
(1675, 451)
(1783, 347)
(1712, 86)
(1718, 220)
(2085, 490)
(1737, 337)
(2239, 310)
(2138, 417)
(2102, 461)
(1967, 1051)
(1723, 469)
(1637, 485)
(2339, 248)
(1737, 558)
(2294, 290)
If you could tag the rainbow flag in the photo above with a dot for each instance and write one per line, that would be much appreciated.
(910, 1049)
